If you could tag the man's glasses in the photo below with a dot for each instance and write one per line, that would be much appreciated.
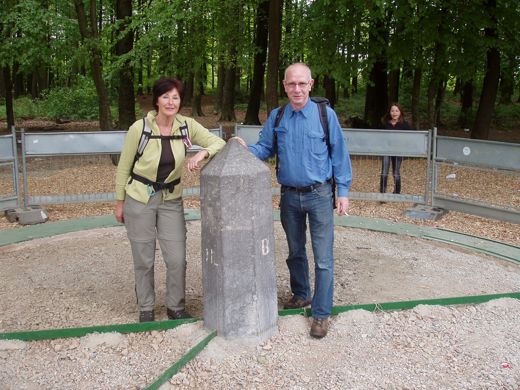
(301, 85)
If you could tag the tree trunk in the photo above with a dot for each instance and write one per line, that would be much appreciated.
(466, 108)
(393, 85)
(354, 84)
(126, 98)
(8, 82)
(188, 89)
(18, 81)
(221, 76)
(330, 90)
(507, 81)
(89, 32)
(257, 85)
(439, 97)
(376, 100)
(196, 101)
(228, 94)
(416, 96)
(488, 95)
(273, 54)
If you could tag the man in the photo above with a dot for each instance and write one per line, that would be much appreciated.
(306, 167)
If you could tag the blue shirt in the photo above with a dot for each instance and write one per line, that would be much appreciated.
(303, 156)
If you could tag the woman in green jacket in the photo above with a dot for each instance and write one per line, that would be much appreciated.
(149, 194)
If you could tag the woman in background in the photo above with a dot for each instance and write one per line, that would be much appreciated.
(393, 120)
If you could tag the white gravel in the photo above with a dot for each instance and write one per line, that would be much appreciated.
(86, 278)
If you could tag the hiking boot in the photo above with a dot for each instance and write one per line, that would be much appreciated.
(177, 314)
(146, 316)
(319, 327)
(296, 303)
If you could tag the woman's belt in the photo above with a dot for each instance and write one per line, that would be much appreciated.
(157, 186)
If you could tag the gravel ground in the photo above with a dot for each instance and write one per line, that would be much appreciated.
(86, 278)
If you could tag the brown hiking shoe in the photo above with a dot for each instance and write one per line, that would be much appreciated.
(296, 303)
(177, 314)
(146, 316)
(319, 327)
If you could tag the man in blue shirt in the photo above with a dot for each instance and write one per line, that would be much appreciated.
(305, 171)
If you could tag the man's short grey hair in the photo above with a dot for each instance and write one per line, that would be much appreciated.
(298, 63)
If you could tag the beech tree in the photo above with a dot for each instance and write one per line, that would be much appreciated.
(90, 36)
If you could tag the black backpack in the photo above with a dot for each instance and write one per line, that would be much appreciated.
(322, 106)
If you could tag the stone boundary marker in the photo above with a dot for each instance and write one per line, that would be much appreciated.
(237, 247)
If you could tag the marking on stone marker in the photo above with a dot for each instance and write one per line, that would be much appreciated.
(208, 258)
(265, 246)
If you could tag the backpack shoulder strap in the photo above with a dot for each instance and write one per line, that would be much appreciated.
(322, 105)
(145, 137)
(279, 115)
(277, 120)
(141, 145)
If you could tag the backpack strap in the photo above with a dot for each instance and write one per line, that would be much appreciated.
(322, 105)
(277, 120)
(146, 135)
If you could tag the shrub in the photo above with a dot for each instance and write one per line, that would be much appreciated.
(75, 103)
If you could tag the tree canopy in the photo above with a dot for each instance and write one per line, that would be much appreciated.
(414, 51)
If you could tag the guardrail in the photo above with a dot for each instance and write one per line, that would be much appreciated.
(477, 177)
(472, 176)
(9, 190)
(366, 146)
(53, 161)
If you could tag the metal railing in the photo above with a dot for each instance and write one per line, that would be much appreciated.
(58, 163)
(366, 146)
(9, 189)
(477, 177)
(472, 176)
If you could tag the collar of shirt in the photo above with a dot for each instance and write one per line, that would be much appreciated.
(306, 111)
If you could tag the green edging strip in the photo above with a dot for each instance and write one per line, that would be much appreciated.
(33, 335)
(48, 229)
(176, 367)
(170, 324)
(478, 244)
(404, 305)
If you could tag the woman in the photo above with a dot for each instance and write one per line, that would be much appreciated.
(149, 194)
(393, 120)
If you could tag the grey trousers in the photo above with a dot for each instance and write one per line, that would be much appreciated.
(144, 223)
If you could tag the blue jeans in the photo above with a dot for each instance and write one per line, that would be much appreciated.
(317, 206)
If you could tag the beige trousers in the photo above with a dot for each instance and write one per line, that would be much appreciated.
(164, 221)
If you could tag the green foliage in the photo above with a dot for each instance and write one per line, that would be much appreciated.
(24, 108)
(77, 102)
(507, 117)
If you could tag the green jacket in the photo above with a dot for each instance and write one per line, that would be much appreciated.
(148, 163)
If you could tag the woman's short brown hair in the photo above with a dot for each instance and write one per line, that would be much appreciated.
(163, 85)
